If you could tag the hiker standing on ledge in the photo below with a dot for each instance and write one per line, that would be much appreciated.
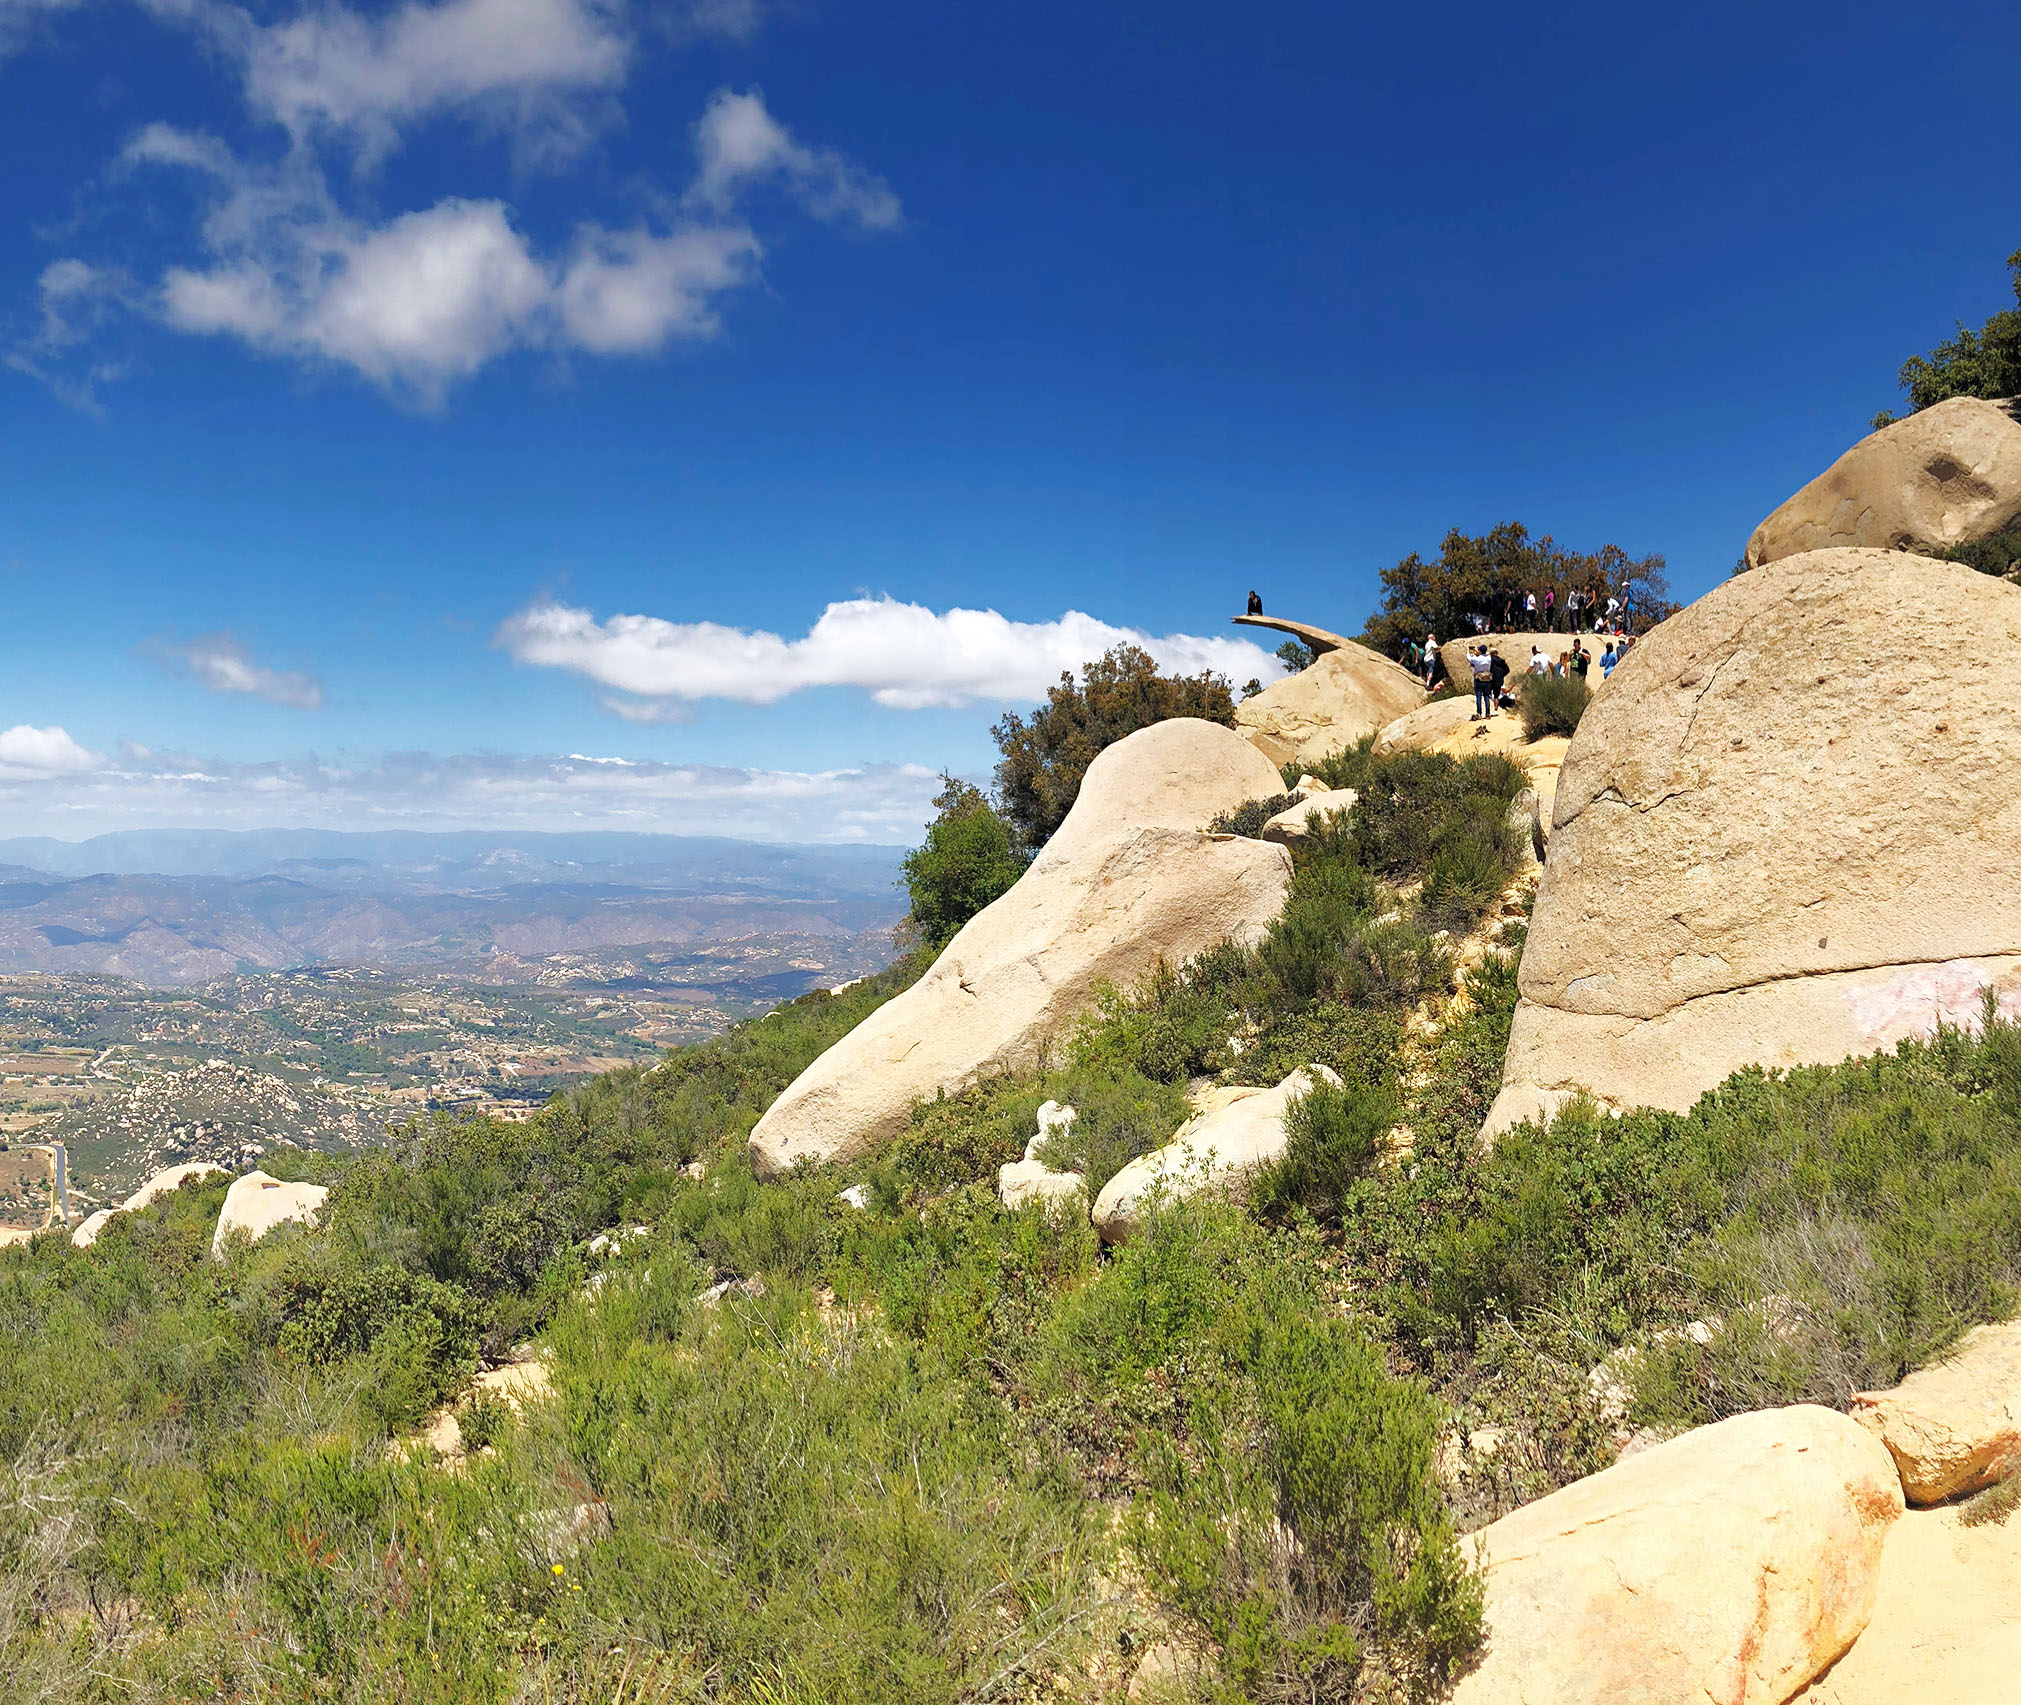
(1255, 605)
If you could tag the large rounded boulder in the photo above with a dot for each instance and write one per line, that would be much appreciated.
(1129, 879)
(1784, 835)
(1733, 1564)
(1948, 475)
(1330, 703)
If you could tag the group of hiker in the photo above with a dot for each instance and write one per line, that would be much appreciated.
(1540, 610)
(1490, 670)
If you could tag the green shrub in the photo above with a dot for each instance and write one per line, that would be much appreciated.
(1248, 819)
(965, 862)
(1333, 1135)
(1552, 704)
(1981, 363)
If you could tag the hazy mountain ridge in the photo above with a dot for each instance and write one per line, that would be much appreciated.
(221, 902)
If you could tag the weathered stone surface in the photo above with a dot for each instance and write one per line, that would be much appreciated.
(1240, 1130)
(1954, 1426)
(1130, 879)
(256, 1204)
(1731, 1565)
(1945, 1626)
(1783, 836)
(1948, 475)
(1333, 703)
(1295, 822)
(1317, 640)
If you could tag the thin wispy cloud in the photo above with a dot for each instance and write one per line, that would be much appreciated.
(221, 662)
(906, 656)
(740, 145)
(49, 785)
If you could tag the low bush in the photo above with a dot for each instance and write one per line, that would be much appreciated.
(1333, 1136)
(1248, 819)
(1552, 704)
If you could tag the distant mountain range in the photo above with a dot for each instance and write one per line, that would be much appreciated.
(179, 907)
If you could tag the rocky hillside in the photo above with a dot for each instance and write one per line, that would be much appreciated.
(1126, 1303)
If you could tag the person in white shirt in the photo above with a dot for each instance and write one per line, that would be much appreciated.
(1482, 661)
(1539, 663)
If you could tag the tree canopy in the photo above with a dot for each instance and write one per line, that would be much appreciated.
(1982, 363)
(965, 862)
(1045, 757)
(1474, 576)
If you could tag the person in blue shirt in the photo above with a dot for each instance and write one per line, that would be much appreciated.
(1608, 659)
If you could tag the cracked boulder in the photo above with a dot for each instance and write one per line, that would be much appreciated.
(1130, 879)
(1733, 1564)
(1783, 836)
(1948, 475)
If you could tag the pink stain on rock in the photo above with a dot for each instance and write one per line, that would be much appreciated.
(1914, 1000)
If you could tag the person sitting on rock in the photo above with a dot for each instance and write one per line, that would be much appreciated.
(1255, 603)
(1481, 663)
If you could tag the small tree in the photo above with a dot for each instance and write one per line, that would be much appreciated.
(1982, 363)
(965, 862)
(1039, 777)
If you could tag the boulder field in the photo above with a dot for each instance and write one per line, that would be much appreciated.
(1333, 702)
(1784, 835)
(1130, 879)
(1948, 475)
(1731, 1565)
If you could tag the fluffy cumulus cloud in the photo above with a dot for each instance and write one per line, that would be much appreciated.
(220, 662)
(906, 656)
(430, 297)
(51, 786)
(40, 752)
(420, 300)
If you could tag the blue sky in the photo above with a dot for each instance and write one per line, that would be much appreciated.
(411, 411)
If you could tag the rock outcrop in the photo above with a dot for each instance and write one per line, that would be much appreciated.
(1029, 1179)
(1514, 650)
(1129, 880)
(256, 1204)
(1295, 822)
(1949, 475)
(1954, 1426)
(1341, 696)
(1783, 836)
(1733, 1564)
(1218, 1148)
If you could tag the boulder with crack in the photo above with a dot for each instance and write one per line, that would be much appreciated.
(1131, 879)
(1782, 837)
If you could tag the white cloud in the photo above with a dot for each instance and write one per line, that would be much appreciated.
(882, 803)
(530, 60)
(740, 144)
(430, 297)
(220, 662)
(629, 292)
(905, 655)
(43, 752)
